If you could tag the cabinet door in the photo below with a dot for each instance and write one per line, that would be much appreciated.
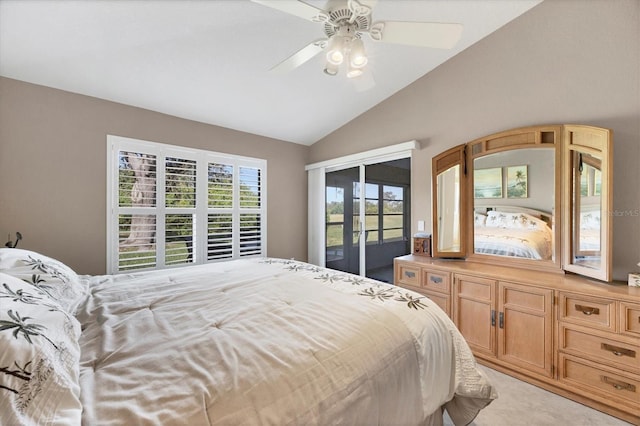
(475, 314)
(525, 333)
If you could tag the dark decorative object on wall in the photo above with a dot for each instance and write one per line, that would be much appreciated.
(11, 244)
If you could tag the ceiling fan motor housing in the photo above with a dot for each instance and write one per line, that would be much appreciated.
(338, 18)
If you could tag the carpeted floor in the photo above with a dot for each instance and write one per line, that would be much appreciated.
(522, 404)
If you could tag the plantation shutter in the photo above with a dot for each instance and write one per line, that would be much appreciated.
(220, 215)
(180, 213)
(174, 206)
(137, 216)
(250, 203)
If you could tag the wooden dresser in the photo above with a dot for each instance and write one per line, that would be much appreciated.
(574, 336)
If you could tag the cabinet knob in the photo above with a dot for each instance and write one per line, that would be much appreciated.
(587, 310)
(618, 351)
(618, 385)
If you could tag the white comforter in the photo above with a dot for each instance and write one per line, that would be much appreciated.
(269, 341)
(525, 243)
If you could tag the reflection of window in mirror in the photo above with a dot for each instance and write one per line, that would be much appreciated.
(590, 177)
(587, 208)
(449, 210)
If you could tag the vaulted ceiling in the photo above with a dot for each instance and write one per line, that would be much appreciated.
(209, 61)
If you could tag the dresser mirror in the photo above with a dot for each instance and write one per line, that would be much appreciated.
(514, 204)
(449, 169)
(537, 198)
(588, 228)
(449, 221)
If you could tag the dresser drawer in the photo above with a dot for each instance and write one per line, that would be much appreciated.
(599, 348)
(630, 319)
(408, 275)
(436, 281)
(592, 312)
(616, 388)
(444, 302)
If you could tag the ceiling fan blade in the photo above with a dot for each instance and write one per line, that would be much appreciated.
(296, 8)
(301, 56)
(422, 34)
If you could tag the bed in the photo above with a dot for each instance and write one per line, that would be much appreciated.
(250, 341)
(513, 232)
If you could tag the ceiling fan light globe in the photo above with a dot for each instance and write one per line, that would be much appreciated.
(335, 50)
(331, 69)
(357, 56)
(354, 72)
(335, 57)
(358, 61)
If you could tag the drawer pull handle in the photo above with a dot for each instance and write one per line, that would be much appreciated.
(410, 274)
(618, 385)
(436, 280)
(588, 310)
(617, 351)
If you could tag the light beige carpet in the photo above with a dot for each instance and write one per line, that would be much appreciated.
(522, 404)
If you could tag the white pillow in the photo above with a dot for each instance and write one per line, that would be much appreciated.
(40, 357)
(480, 219)
(498, 219)
(50, 275)
(508, 220)
(590, 220)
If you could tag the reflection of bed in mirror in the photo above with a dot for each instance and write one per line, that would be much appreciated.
(587, 238)
(513, 231)
(589, 241)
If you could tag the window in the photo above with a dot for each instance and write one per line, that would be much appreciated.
(175, 206)
(334, 222)
(384, 213)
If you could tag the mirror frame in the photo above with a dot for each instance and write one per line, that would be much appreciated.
(563, 139)
(597, 142)
(538, 137)
(455, 156)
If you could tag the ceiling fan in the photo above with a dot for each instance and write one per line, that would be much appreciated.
(345, 22)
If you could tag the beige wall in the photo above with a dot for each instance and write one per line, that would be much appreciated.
(53, 171)
(564, 61)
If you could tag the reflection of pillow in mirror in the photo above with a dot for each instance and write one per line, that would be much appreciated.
(590, 220)
(535, 223)
(498, 219)
(480, 219)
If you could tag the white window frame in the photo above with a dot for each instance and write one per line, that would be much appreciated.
(115, 144)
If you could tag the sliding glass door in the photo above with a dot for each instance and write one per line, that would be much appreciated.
(367, 218)
(342, 220)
